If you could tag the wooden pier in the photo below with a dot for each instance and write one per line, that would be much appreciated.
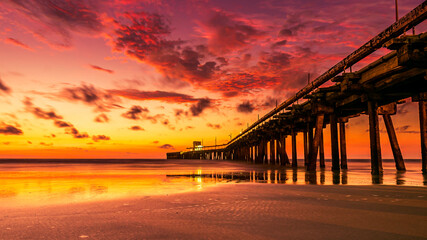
(374, 90)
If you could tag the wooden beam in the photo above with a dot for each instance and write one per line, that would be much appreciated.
(423, 130)
(343, 147)
(334, 143)
(294, 148)
(374, 134)
(305, 141)
(272, 152)
(321, 151)
(314, 147)
(397, 154)
(284, 155)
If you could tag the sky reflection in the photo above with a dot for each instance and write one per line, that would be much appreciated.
(24, 185)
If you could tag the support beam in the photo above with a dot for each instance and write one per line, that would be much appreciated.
(294, 149)
(397, 154)
(314, 147)
(283, 154)
(310, 140)
(321, 151)
(305, 140)
(272, 152)
(334, 143)
(423, 130)
(343, 147)
(374, 135)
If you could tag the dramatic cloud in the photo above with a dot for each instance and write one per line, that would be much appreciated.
(171, 97)
(101, 69)
(38, 112)
(200, 106)
(214, 126)
(6, 129)
(226, 32)
(167, 146)
(137, 128)
(91, 96)
(17, 43)
(4, 88)
(102, 118)
(98, 138)
(245, 107)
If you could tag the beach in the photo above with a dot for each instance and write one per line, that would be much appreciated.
(233, 211)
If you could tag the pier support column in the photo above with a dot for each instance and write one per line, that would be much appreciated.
(310, 140)
(305, 140)
(374, 135)
(397, 154)
(334, 143)
(314, 146)
(423, 129)
(343, 145)
(284, 159)
(265, 155)
(321, 151)
(272, 152)
(294, 149)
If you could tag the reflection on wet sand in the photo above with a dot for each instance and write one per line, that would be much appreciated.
(33, 185)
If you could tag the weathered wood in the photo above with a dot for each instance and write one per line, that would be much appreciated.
(284, 155)
(294, 148)
(305, 142)
(315, 143)
(321, 151)
(272, 152)
(397, 154)
(310, 140)
(374, 134)
(423, 131)
(343, 147)
(334, 143)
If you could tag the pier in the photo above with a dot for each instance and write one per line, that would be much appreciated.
(336, 96)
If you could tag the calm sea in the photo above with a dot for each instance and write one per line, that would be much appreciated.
(46, 182)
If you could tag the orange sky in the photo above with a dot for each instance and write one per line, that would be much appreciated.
(136, 79)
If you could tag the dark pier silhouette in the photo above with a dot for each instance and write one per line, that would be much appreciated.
(374, 90)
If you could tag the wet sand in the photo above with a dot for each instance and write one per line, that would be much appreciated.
(233, 211)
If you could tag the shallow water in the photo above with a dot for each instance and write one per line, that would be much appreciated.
(24, 183)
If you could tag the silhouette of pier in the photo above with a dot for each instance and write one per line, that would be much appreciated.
(374, 90)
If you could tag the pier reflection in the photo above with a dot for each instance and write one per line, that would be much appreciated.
(22, 185)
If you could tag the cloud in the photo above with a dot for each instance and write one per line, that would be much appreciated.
(54, 21)
(4, 88)
(171, 97)
(89, 95)
(101, 69)
(404, 129)
(227, 32)
(38, 112)
(76, 134)
(135, 113)
(6, 129)
(137, 128)
(214, 126)
(102, 118)
(167, 146)
(245, 107)
(155, 142)
(200, 106)
(18, 43)
(98, 138)
(46, 144)
(62, 124)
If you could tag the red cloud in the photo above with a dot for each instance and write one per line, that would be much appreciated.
(18, 43)
(172, 97)
(9, 130)
(101, 69)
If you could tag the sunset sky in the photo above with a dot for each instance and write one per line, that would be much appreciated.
(139, 78)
